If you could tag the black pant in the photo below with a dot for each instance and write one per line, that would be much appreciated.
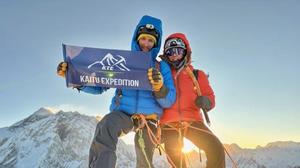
(210, 144)
(108, 130)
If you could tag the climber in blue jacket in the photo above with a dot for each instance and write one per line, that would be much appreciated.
(127, 103)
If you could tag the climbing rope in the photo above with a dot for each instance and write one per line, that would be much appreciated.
(155, 139)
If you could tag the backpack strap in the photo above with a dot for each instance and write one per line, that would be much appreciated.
(194, 76)
(195, 72)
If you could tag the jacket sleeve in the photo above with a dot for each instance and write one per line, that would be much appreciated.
(205, 87)
(170, 98)
(93, 90)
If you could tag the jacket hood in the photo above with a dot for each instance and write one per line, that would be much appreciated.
(158, 27)
(186, 42)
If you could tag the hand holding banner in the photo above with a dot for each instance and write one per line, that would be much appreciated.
(107, 68)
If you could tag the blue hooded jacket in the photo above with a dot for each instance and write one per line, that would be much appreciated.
(142, 101)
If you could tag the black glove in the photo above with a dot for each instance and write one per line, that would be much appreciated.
(203, 102)
(156, 75)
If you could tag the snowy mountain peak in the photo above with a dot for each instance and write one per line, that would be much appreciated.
(233, 148)
(43, 112)
(274, 155)
(59, 140)
(45, 139)
(37, 115)
(283, 144)
(62, 139)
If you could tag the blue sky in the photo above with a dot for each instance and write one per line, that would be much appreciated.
(249, 48)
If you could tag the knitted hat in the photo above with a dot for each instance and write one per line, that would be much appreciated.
(147, 35)
(149, 30)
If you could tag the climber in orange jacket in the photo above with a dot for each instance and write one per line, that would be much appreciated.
(184, 118)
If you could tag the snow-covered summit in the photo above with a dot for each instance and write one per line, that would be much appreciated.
(283, 144)
(45, 139)
(62, 140)
(281, 154)
(37, 115)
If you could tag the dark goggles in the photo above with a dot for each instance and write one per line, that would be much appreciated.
(174, 42)
(175, 51)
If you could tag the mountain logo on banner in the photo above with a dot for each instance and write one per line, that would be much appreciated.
(109, 62)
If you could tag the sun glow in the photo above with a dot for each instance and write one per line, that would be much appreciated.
(188, 146)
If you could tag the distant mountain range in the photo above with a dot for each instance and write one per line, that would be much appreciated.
(62, 140)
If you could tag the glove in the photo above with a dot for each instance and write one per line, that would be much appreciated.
(155, 79)
(62, 69)
(203, 102)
